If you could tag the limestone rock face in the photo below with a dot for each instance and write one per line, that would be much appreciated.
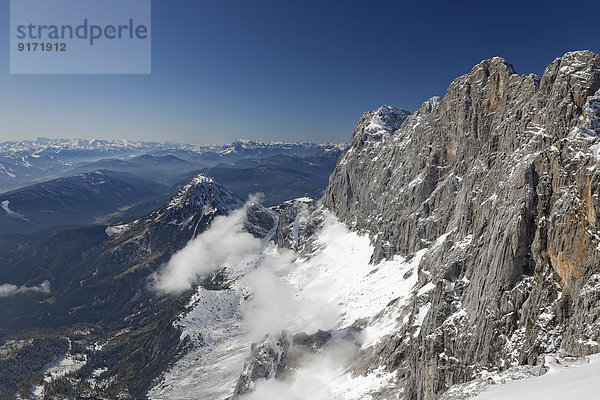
(276, 355)
(499, 179)
(267, 360)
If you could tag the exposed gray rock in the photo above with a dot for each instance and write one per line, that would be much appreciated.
(277, 356)
(268, 359)
(501, 175)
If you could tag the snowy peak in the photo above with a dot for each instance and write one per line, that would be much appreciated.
(429, 105)
(582, 66)
(201, 195)
(384, 120)
(244, 147)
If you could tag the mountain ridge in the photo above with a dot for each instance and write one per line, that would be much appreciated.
(454, 243)
(30, 161)
(482, 169)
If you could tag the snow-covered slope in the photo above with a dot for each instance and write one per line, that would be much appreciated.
(576, 379)
(326, 285)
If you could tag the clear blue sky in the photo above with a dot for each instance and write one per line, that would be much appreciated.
(288, 70)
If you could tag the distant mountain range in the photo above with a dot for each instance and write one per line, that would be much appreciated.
(127, 185)
(32, 161)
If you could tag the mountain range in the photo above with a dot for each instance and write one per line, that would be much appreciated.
(31, 161)
(117, 190)
(454, 248)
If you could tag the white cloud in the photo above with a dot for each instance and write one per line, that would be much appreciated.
(314, 379)
(277, 305)
(224, 243)
(286, 293)
(7, 289)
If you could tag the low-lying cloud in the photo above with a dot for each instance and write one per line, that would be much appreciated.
(8, 289)
(277, 301)
(224, 243)
(317, 377)
(277, 305)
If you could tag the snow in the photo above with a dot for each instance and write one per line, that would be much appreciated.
(303, 200)
(99, 371)
(486, 378)
(423, 310)
(491, 199)
(213, 326)
(208, 375)
(384, 121)
(117, 230)
(564, 380)
(361, 387)
(463, 244)
(10, 212)
(5, 171)
(595, 149)
(64, 366)
(177, 200)
(338, 274)
(428, 287)
(11, 347)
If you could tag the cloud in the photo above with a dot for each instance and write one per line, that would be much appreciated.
(224, 243)
(294, 294)
(7, 289)
(277, 305)
(316, 377)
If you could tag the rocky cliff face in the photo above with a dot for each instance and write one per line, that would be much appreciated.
(499, 180)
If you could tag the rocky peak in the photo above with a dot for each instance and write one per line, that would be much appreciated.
(429, 105)
(374, 125)
(498, 180)
(564, 90)
(373, 128)
(201, 193)
(494, 64)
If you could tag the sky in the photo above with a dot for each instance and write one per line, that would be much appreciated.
(287, 70)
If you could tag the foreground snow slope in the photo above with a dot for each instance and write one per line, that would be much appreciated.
(574, 382)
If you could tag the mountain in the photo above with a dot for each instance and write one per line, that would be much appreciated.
(276, 183)
(454, 248)
(498, 181)
(321, 165)
(82, 199)
(318, 166)
(30, 161)
(162, 169)
(131, 187)
(278, 178)
(99, 300)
